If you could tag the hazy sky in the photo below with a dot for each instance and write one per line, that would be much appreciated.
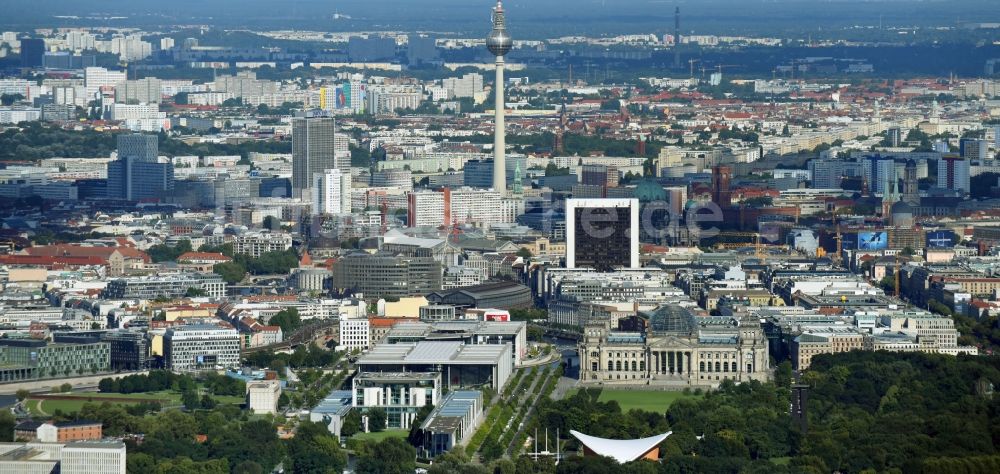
(533, 18)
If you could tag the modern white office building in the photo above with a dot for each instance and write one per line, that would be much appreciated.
(460, 364)
(400, 394)
(355, 334)
(201, 347)
(78, 457)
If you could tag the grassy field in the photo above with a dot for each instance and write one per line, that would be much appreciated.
(173, 397)
(48, 407)
(66, 406)
(379, 436)
(653, 400)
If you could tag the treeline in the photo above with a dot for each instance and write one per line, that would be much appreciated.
(235, 444)
(269, 263)
(36, 141)
(287, 319)
(155, 381)
(575, 144)
(161, 380)
(302, 356)
(168, 253)
(867, 411)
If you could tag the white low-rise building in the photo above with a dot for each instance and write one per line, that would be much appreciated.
(262, 396)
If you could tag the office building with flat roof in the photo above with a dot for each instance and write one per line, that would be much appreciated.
(262, 396)
(313, 151)
(29, 359)
(384, 275)
(400, 394)
(469, 332)
(602, 234)
(201, 347)
(461, 365)
(79, 457)
(452, 422)
(165, 286)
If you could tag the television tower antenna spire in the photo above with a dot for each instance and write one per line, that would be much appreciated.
(499, 44)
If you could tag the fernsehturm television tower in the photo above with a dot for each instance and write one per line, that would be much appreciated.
(499, 43)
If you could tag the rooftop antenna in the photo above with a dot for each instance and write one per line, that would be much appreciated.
(677, 38)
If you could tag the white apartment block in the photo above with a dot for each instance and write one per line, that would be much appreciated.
(331, 191)
(258, 243)
(122, 112)
(96, 77)
(467, 86)
(481, 207)
(355, 334)
(19, 114)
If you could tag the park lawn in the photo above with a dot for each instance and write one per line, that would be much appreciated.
(172, 395)
(139, 397)
(67, 406)
(33, 407)
(173, 400)
(656, 401)
(380, 435)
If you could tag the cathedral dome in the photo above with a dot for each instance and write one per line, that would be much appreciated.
(902, 214)
(649, 190)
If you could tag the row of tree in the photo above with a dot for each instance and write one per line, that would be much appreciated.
(162, 380)
(867, 411)
(36, 140)
(302, 356)
(154, 381)
(269, 263)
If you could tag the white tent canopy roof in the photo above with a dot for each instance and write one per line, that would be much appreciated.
(621, 450)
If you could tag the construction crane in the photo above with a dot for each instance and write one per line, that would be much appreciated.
(384, 208)
(895, 276)
(720, 66)
(838, 238)
(759, 249)
(691, 65)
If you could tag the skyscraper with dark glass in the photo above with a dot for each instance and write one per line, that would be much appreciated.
(32, 52)
(137, 174)
(313, 151)
(602, 234)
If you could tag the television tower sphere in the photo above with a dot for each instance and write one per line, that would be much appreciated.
(499, 42)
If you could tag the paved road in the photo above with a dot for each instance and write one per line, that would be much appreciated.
(562, 386)
(553, 357)
(530, 411)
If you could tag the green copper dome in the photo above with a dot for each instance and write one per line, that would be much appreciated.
(648, 190)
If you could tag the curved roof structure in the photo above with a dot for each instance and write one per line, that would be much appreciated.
(621, 450)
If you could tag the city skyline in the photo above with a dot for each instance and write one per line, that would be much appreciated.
(567, 236)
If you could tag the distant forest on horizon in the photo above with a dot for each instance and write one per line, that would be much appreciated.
(528, 19)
